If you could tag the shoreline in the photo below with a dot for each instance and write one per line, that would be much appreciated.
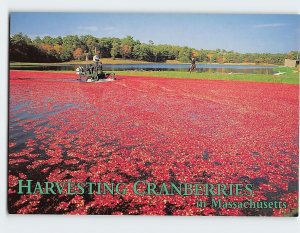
(128, 62)
(288, 78)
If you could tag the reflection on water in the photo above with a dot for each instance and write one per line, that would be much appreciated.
(212, 68)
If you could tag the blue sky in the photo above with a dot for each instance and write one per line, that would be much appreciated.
(242, 33)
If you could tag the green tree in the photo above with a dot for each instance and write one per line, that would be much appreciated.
(185, 54)
(37, 41)
(48, 40)
(127, 45)
(58, 40)
(115, 50)
(214, 58)
(105, 46)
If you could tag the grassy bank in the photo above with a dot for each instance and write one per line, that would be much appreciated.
(291, 78)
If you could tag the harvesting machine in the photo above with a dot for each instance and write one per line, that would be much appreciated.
(94, 72)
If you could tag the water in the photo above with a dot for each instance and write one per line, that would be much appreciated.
(212, 68)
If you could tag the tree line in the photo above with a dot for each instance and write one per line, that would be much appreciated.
(74, 47)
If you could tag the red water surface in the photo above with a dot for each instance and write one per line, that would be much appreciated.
(152, 129)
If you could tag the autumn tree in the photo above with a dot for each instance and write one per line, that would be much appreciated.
(125, 51)
(22, 48)
(58, 50)
(48, 48)
(78, 54)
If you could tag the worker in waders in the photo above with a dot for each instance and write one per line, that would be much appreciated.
(97, 67)
(193, 65)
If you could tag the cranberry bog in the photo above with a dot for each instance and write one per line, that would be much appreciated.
(155, 130)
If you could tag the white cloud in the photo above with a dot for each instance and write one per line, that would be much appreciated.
(270, 25)
(88, 28)
(33, 36)
(109, 28)
(91, 28)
